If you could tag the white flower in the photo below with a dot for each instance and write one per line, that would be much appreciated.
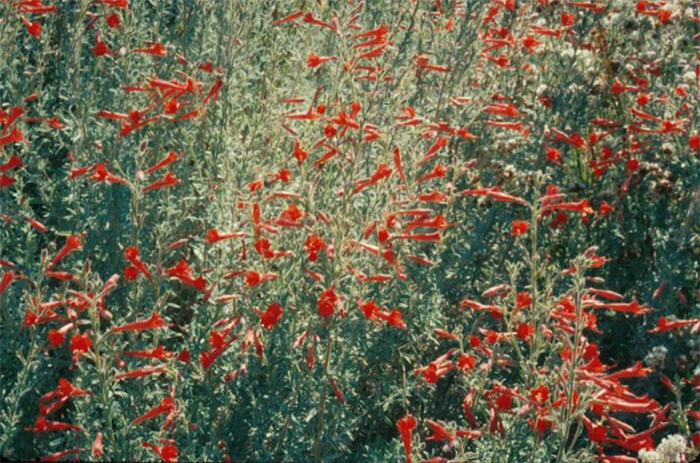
(689, 77)
(649, 456)
(568, 50)
(668, 451)
(671, 448)
(657, 357)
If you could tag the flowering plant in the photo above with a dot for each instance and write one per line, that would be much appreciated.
(330, 230)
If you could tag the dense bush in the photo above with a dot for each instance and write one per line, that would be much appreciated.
(349, 231)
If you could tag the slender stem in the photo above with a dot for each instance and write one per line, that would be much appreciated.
(101, 368)
(569, 410)
(322, 403)
(534, 261)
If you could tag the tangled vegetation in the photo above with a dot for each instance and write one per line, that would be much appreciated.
(326, 230)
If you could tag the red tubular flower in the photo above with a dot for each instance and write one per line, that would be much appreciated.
(397, 164)
(60, 454)
(271, 316)
(439, 143)
(444, 334)
(617, 459)
(156, 353)
(525, 331)
(10, 116)
(6, 180)
(131, 273)
(290, 17)
(34, 28)
(540, 423)
(614, 403)
(97, 447)
(467, 404)
(579, 206)
(494, 193)
(663, 324)
(6, 280)
(168, 179)
(393, 318)
(43, 425)
(15, 136)
(369, 309)
(338, 393)
(132, 254)
(13, 163)
(171, 106)
(382, 171)
(310, 359)
(299, 154)
(184, 356)
(264, 248)
(141, 372)
(667, 382)
(406, 425)
(218, 346)
(170, 158)
(466, 362)
(79, 344)
(314, 60)
(213, 235)
(422, 63)
(635, 370)
(326, 302)
(214, 91)
(56, 337)
(519, 228)
(605, 293)
(596, 432)
(574, 139)
(101, 174)
(310, 19)
(123, 4)
(523, 300)
(629, 307)
(438, 171)
(254, 278)
(439, 432)
(345, 120)
(165, 406)
(694, 142)
(63, 391)
(167, 453)
(313, 246)
(156, 49)
(100, 47)
(424, 221)
(437, 368)
(290, 215)
(113, 20)
(503, 109)
(183, 272)
(72, 243)
(47, 409)
(37, 225)
(434, 236)
(128, 128)
(153, 322)
(540, 394)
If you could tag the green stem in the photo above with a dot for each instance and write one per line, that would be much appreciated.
(578, 328)
(322, 403)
